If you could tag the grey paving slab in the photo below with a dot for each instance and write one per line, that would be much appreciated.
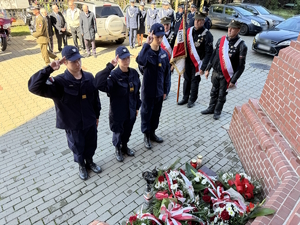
(39, 181)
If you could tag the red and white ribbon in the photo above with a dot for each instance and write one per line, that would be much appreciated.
(166, 46)
(188, 186)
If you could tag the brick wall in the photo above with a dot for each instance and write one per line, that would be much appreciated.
(266, 135)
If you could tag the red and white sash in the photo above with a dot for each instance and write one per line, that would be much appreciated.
(166, 46)
(192, 50)
(225, 62)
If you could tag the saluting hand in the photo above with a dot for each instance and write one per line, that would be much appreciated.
(206, 74)
(115, 61)
(56, 64)
(150, 38)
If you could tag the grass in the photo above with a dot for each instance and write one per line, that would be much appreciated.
(20, 31)
(285, 13)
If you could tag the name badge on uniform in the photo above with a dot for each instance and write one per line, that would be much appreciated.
(131, 87)
(159, 64)
(163, 56)
(83, 96)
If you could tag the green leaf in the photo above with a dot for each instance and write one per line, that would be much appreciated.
(198, 187)
(172, 167)
(188, 169)
(261, 212)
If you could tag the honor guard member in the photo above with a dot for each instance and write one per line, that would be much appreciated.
(200, 49)
(167, 44)
(167, 12)
(152, 16)
(122, 86)
(191, 16)
(178, 18)
(133, 22)
(154, 64)
(41, 35)
(226, 69)
(141, 31)
(76, 103)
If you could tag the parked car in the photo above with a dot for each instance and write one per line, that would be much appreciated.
(271, 41)
(263, 13)
(221, 15)
(110, 20)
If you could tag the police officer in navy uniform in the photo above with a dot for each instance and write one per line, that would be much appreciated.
(191, 16)
(122, 86)
(77, 105)
(152, 16)
(133, 22)
(178, 18)
(155, 66)
(237, 51)
(203, 41)
(166, 11)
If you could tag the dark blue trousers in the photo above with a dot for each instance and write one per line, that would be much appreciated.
(150, 113)
(83, 143)
(123, 136)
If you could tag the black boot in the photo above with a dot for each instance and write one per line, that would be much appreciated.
(83, 174)
(93, 166)
(147, 142)
(127, 150)
(119, 155)
(182, 102)
(209, 110)
(155, 138)
(218, 110)
(190, 104)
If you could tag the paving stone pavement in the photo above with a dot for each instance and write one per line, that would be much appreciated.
(39, 181)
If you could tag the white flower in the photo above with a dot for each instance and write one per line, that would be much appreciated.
(227, 176)
(231, 213)
(246, 176)
(174, 186)
(174, 174)
(235, 209)
(143, 224)
(203, 181)
(221, 223)
(216, 219)
(197, 179)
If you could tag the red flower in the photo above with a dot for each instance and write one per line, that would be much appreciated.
(212, 218)
(221, 205)
(161, 178)
(206, 198)
(174, 181)
(153, 222)
(225, 215)
(218, 183)
(251, 205)
(182, 171)
(132, 219)
(189, 223)
(248, 209)
(206, 191)
(231, 182)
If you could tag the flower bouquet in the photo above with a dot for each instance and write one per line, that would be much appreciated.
(191, 197)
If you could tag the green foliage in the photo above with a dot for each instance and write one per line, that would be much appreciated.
(19, 31)
(258, 211)
(272, 4)
(189, 169)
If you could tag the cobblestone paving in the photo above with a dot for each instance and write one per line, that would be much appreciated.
(39, 181)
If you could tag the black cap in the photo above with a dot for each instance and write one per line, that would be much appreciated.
(165, 20)
(181, 6)
(71, 53)
(234, 24)
(158, 29)
(199, 16)
(122, 52)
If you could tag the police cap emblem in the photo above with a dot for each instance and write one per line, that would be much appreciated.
(73, 49)
(160, 28)
(124, 49)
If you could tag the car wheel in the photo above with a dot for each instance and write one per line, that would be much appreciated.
(244, 29)
(114, 25)
(120, 41)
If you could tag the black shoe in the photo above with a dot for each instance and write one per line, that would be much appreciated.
(217, 116)
(127, 151)
(147, 142)
(155, 138)
(190, 104)
(119, 155)
(94, 167)
(182, 102)
(83, 174)
(207, 111)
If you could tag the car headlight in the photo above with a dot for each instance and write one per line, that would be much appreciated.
(284, 43)
(255, 23)
(275, 22)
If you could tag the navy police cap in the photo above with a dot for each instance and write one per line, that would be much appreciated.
(71, 53)
(158, 29)
(122, 52)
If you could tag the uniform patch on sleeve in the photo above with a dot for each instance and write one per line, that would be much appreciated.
(50, 81)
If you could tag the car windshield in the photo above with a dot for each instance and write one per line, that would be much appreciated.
(106, 11)
(243, 11)
(262, 10)
(292, 24)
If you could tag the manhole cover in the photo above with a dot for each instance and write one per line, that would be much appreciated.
(260, 66)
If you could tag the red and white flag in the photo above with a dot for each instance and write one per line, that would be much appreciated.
(166, 46)
(179, 51)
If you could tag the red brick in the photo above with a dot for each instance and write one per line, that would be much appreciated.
(283, 212)
(295, 219)
(289, 203)
(295, 194)
(277, 220)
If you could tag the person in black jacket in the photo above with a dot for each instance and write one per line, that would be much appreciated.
(77, 105)
(122, 86)
(226, 72)
(200, 49)
(154, 63)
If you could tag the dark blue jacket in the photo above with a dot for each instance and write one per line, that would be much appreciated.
(124, 92)
(77, 102)
(190, 19)
(156, 71)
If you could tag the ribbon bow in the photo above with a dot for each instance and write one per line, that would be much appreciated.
(243, 186)
(175, 212)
